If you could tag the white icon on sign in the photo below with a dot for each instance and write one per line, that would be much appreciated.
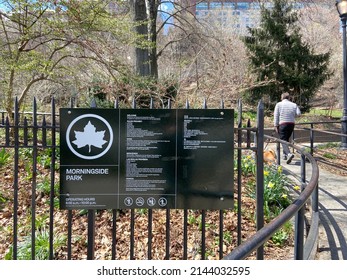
(89, 136)
(128, 201)
(151, 201)
(140, 201)
(162, 201)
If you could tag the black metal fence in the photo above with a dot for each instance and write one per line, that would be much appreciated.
(31, 194)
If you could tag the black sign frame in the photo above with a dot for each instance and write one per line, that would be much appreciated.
(144, 158)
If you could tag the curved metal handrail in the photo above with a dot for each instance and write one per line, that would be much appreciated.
(265, 233)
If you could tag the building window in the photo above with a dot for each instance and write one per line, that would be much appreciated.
(255, 6)
(215, 5)
(202, 6)
(243, 6)
(229, 6)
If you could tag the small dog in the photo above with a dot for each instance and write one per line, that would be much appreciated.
(269, 156)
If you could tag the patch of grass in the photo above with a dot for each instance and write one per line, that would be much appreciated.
(282, 235)
(4, 157)
(246, 115)
(329, 156)
(142, 211)
(41, 246)
(192, 219)
(333, 113)
(328, 145)
(3, 199)
(227, 236)
(44, 185)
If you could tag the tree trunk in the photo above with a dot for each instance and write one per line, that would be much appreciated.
(152, 26)
(142, 65)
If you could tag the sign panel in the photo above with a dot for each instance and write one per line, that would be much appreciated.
(89, 165)
(140, 158)
(148, 157)
(206, 154)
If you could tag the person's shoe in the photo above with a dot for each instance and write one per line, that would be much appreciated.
(285, 157)
(290, 157)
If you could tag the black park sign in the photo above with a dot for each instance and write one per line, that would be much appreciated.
(141, 158)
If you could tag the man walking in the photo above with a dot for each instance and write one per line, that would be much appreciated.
(284, 121)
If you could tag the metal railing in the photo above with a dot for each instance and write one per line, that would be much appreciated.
(37, 136)
(309, 192)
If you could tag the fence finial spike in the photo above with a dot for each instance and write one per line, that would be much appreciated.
(116, 103)
(134, 103)
(53, 112)
(16, 111)
(204, 106)
(16, 103)
(187, 104)
(71, 102)
(169, 103)
(260, 114)
(261, 104)
(151, 103)
(239, 106)
(239, 112)
(222, 103)
(93, 103)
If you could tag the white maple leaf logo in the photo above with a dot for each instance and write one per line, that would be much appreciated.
(89, 136)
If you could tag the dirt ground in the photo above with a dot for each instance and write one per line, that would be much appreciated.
(333, 160)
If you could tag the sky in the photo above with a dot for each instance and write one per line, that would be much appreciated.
(166, 9)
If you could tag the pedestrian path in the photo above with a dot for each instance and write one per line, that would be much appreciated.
(332, 192)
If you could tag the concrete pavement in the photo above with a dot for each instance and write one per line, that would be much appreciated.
(332, 243)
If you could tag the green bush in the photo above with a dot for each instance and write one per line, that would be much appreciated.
(276, 194)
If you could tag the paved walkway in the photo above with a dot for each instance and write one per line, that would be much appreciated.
(332, 244)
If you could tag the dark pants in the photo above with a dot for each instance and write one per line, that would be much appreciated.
(285, 131)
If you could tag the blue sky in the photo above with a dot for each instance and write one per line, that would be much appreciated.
(167, 8)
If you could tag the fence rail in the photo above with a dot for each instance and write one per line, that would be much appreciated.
(32, 139)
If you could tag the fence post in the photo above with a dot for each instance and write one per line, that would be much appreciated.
(278, 147)
(203, 215)
(167, 234)
(33, 185)
(114, 211)
(221, 215)
(185, 220)
(69, 215)
(91, 219)
(150, 212)
(52, 170)
(239, 172)
(311, 139)
(132, 214)
(15, 179)
(299, 218)
(260, 174)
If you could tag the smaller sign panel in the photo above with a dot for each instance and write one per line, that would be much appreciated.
(88, 158)
(148, 158)
(205, 148)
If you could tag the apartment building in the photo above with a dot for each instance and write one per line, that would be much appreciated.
(235, 14)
